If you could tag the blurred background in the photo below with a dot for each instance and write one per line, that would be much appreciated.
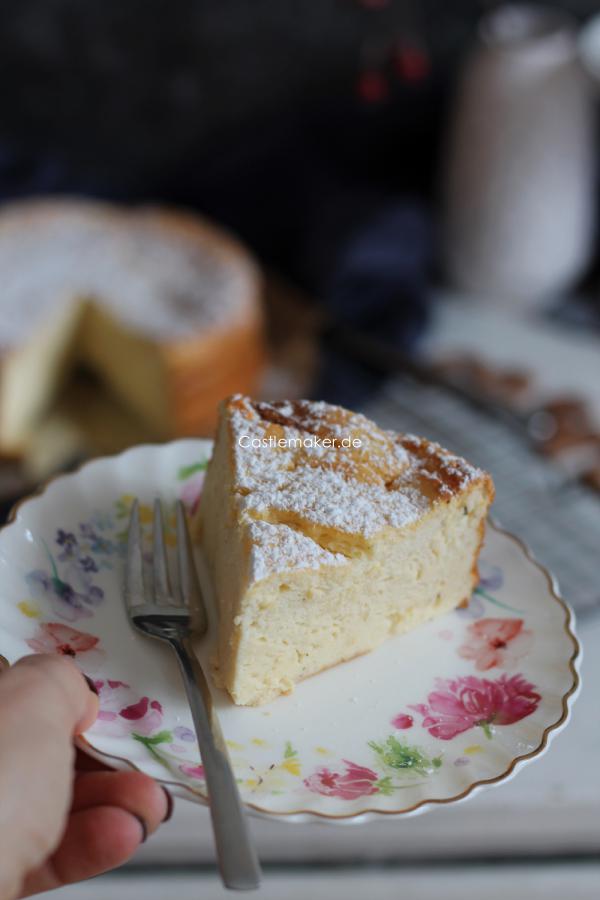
(387, 204)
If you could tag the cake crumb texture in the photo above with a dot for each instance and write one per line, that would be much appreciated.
(322, 549)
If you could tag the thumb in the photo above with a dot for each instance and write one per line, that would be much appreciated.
(44, 701)
(40, 679)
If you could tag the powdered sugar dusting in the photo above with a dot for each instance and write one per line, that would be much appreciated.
(157, 281)
(333, 501)
(277, 548)
(282, 474)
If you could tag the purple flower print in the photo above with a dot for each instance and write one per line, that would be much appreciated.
(490, 576)
(92, 542)
(184, 734)
(490, 579)
(66, 602)
(474, 609)
(68, 541)
(72, 591)
(88, 564)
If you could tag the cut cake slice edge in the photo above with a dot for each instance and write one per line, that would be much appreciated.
(319, 551)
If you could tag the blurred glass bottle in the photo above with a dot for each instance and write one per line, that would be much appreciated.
(519, 173)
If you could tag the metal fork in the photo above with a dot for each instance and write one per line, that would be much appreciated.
(172, 616)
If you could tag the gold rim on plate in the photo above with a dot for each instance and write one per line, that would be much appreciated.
(84, 744)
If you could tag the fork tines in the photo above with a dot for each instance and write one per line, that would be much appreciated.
(187, 594)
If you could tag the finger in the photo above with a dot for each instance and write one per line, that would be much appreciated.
(95, 840)
(50, 686)
(134, 792)
(43, 701)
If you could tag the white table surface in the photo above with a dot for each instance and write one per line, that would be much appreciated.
(530, 882)
(563, 360)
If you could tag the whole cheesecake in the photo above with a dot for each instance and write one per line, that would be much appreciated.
(163, 308)
(326, 535)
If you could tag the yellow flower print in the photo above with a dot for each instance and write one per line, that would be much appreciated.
(292, 766)
(124, 505)
(274, 778)
(146, 514)
(29, 609)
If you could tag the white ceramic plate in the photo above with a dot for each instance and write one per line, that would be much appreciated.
(428, 718)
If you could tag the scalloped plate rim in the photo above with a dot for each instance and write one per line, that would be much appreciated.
(306, 816)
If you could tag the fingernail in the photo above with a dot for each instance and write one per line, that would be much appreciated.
(91, 685)
(143, 826)
(170, 805)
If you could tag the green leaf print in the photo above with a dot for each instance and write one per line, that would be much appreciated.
(122, 509)
(485, 727)
(162, 737)
(186, 472)
(289, 751)
(385, 785)
(152, 741)
(495, 601)
(399, 755)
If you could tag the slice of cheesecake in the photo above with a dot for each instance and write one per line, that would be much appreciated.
(325, 536)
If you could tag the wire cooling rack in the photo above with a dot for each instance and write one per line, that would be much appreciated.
(556, 516)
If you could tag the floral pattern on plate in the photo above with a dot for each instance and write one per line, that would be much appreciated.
(426, 718)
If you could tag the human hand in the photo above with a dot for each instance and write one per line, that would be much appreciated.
(63, 817)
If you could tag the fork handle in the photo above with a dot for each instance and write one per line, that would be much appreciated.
(238, 863)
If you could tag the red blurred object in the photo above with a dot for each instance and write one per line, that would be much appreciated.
(411, 63)
(372, 86)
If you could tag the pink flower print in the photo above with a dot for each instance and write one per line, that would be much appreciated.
(402, 721)
(191, 492)
(496, 642)
(357, 781)
(196, 772)
(54, 637)
(520, 700)
(459, 704)
(123, 712)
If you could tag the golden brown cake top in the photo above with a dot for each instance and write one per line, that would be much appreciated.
(325, 480)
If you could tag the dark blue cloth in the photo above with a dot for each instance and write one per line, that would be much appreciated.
(372, 271)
